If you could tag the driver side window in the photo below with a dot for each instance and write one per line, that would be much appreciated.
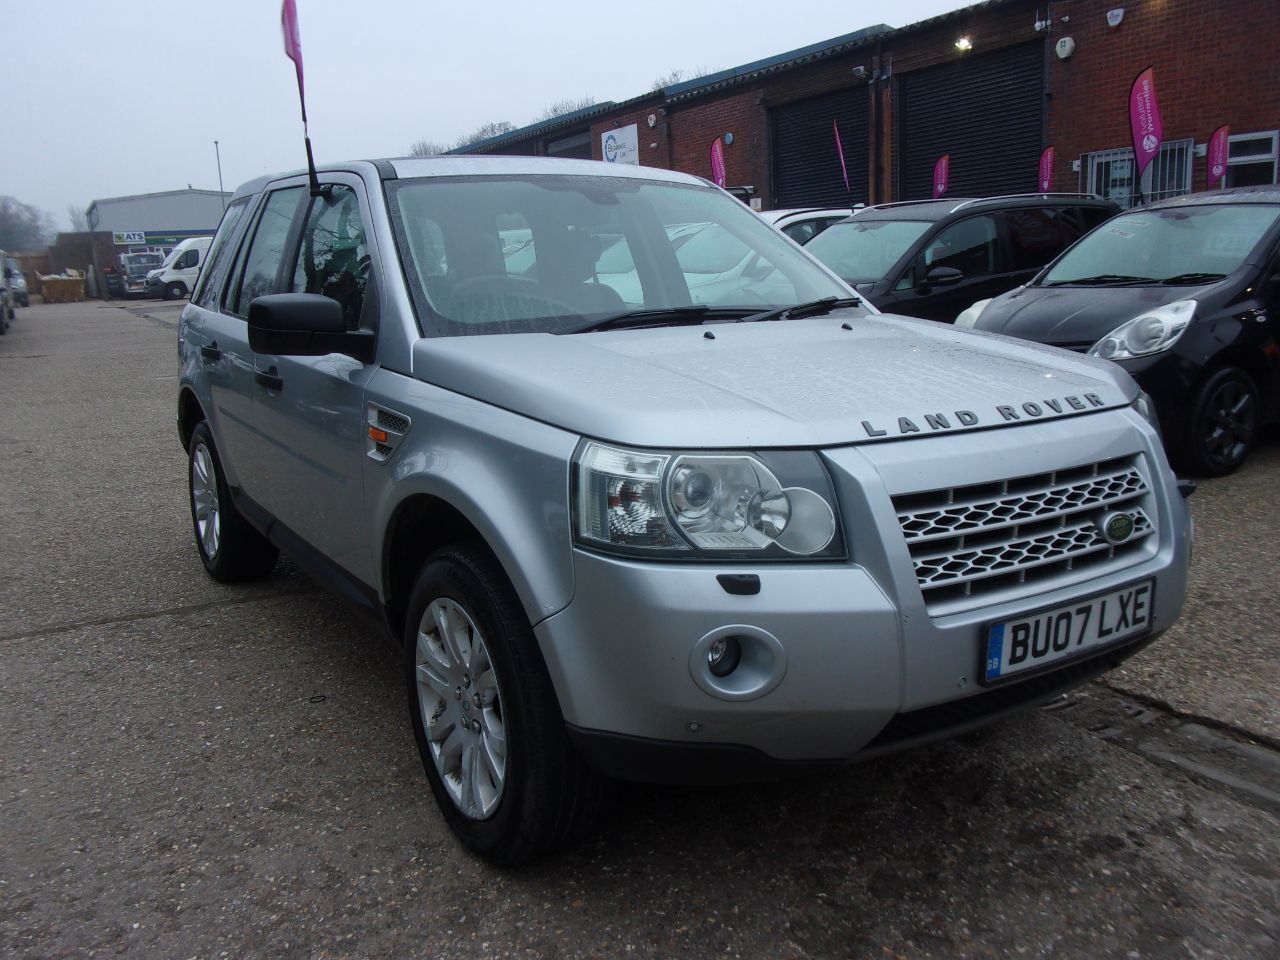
(333, 258)
(970, 246)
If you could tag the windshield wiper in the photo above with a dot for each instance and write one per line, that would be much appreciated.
(686, 315)
(1101, 280)
(1193, 278)
(814, 308)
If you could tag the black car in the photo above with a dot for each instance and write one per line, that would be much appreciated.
(933, 258)
(1185, 295)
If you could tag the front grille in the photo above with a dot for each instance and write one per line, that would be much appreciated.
(967, 543)
(1078, 346)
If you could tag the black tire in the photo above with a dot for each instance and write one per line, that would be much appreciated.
(550, 799)
(175, 290)
(236, 551)
(1223, 424)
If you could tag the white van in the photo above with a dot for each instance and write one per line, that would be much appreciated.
(175, 278)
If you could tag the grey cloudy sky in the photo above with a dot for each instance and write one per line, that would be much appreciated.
(105, 98)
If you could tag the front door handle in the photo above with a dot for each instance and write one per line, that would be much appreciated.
(211, 352)
(270, 379)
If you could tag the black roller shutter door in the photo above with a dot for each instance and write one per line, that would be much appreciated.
(986, 111)
(806, 166)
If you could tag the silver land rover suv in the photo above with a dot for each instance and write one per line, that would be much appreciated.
(634, 512)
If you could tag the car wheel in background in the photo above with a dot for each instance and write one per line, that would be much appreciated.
(1223, 423)
(175, 291)
(485, 714)
(230, 548)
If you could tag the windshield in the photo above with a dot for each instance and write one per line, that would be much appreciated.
(865, 250)
(544, 254)
(1205, 242)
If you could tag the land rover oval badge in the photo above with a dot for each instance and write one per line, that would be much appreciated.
(1116, 527)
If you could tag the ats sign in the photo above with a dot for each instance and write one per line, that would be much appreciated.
(129, 236)
(621, 145)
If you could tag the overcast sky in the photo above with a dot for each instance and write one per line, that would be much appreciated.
(105, 99)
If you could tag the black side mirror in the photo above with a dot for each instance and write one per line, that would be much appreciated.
(943, 277)
(305, 325)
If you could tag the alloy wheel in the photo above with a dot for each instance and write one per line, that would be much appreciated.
(1230, 421)
(461, 708)
(204, 499)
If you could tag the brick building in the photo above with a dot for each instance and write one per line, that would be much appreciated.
(990, 85)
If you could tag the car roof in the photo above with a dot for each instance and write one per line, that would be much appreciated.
(1260, 194)
(933, 210)
(470, 166)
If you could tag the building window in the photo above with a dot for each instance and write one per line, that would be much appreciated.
(1251, 159)
(1110, 173)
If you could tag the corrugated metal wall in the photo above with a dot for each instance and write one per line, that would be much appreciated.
(806, 166)
(986, 111)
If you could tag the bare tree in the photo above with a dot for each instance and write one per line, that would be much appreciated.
(79, 222)
(673, 77)
(561, 107)
(493, 129)
(427, 148)
(22, 226)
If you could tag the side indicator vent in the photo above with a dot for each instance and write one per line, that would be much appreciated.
(385, 429)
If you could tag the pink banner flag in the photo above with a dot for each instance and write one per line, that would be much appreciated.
(293, 45)
(941, 175)
(1144, 119)
(1046, 169)
(840, 150)
(1219, 151)
(717, 162)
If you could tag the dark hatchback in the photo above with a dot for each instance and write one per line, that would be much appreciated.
(1185, 295)
(933, 258)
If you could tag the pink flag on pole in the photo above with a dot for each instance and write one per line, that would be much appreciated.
(941, 175)
(717, 162)
(293, 45)
(1046, 169)
(1144, 119)
(1219, 147)
(840, 150)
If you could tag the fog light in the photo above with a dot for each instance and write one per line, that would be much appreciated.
(723, 656)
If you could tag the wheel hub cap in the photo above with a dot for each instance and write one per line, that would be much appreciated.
(466, 732)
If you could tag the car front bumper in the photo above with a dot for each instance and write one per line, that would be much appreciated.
(854, 661)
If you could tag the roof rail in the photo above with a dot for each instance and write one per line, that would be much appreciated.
(1018, 196)
(903, 203)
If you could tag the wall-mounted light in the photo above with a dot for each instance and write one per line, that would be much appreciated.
(964, 44)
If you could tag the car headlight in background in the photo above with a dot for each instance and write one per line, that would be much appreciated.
(774, 505)
(969, 316)
(1147, 333)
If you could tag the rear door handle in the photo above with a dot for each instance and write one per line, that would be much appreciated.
(211, 352)
(270, 379)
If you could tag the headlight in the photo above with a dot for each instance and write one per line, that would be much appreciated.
(1147, 333)
(731, 506)
(969, 317)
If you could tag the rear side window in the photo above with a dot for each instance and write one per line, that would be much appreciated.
(333, 260)
(206, 294)
(261, 273)
(1038, 234)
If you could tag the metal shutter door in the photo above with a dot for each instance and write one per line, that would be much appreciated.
(986, 111)
(806, 166)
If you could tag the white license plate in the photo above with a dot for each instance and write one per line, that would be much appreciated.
(1029, 643)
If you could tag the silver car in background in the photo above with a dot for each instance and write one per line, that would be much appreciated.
(689, 532)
